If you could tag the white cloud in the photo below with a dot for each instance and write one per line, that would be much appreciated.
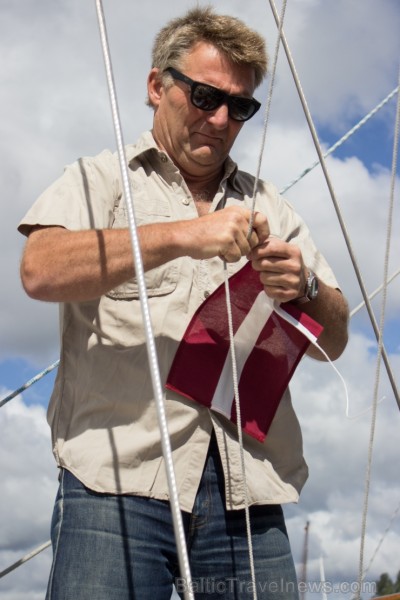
(336, 450)
(28, 489)
(343, 68)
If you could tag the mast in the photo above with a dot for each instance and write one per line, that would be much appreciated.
(303, 578)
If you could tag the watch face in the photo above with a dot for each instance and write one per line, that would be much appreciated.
(312, 286)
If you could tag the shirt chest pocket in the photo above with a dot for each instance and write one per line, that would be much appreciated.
(159, 281)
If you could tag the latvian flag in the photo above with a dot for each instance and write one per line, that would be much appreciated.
(269, 343)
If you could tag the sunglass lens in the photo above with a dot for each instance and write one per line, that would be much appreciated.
(241, 109)
(206, 97)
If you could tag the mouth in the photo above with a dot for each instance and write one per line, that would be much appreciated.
(208, 139)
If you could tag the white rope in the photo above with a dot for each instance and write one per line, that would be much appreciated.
(379, 544)
(30, 382)
(374, 293)
(379, 353)
(25, 558)
(267, 113)
(230, 324)
(335, 202)
(240, 433)
(343, 139)
(150, 342)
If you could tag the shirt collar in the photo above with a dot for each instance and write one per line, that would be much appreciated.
(146, 144)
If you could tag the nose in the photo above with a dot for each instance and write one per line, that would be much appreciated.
(219, 117)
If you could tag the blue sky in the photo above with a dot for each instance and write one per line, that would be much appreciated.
(373, 142)
(55, 108)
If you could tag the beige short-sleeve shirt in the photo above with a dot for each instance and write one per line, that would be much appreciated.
(102, 412)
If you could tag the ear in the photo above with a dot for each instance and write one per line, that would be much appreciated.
(154, 87)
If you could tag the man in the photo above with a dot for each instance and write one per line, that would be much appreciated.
(111, 531)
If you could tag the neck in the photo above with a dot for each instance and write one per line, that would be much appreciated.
(198, 176)
(204, 186)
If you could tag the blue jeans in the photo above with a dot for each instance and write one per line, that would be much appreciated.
(108, 547)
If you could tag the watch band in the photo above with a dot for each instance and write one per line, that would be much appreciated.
(310, 290)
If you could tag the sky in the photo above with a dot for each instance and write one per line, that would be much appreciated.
(55, 108)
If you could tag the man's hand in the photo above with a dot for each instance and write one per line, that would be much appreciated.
(74, 266)
(283, 274)
(281, 267)
(223, 233)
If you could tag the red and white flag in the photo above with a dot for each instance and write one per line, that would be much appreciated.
(269, 343)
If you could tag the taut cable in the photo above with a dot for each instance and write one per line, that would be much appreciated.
(379, 353)
(230, 323)
(343, 139)
(150, 342)
(335, 203)
(267, 112)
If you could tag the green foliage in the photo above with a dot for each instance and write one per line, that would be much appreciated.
(385, 585)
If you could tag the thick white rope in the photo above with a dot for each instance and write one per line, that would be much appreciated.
(380, 349)
(335, 202)
(150, 342)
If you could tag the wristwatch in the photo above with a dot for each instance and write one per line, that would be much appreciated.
(310, 290)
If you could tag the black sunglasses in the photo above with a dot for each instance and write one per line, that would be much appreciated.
(207, 97)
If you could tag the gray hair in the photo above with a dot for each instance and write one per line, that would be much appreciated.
(242, 45)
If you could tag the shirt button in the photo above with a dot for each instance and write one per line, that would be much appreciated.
(185, 201)
(163, 158)
(206, 294)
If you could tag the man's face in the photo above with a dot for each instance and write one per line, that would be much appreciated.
(199, 141)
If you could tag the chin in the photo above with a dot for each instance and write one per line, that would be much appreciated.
(207, 155)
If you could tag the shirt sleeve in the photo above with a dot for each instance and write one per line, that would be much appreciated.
(84, 197)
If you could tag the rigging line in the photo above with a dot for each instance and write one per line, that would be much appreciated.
(392, 519)
(380, 349)
(336, 204)
(150, 342)
(239, 430)
(30, 382)
(267, 112)
(25, 558)
(230, 323)
(343, 139)
(374, 293)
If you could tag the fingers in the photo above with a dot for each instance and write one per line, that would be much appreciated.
(261, 226)
(245, 240)
(225, 233)
(281, 268)
(242, 241)
(234, 246)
